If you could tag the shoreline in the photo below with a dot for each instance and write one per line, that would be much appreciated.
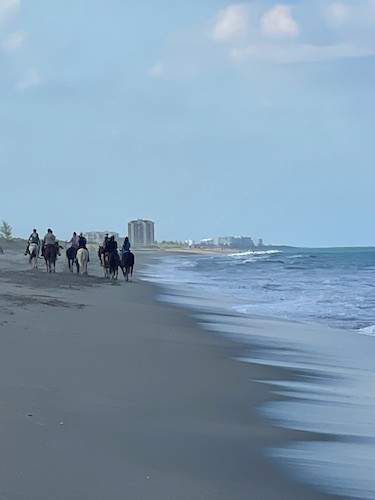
(129, 396)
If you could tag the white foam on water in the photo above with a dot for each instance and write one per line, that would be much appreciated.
(255, 253)
(368, 330)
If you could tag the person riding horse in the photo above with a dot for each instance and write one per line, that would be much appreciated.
(74, 241)
(33, 240)
(49, 240)
(71, 252)
(111, 257)
(126, 245)
(82, 243)
(50, 250)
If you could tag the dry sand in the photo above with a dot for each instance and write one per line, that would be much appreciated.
(107, 394)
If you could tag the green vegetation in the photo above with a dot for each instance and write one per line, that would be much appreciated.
(6, 231)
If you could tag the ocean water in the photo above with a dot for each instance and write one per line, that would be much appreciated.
(312, 310)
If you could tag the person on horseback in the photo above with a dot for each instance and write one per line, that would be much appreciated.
(125, 246)
(74, 241)
(49, 239)
(105, 243)
(82, 243)
(112, 246)
(33, 238)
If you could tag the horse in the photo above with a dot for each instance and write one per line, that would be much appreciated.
(113, 264)
(50, 256)
(33, 249)
(101, 254)
(127, 264)
(82, 260)
(71, 255)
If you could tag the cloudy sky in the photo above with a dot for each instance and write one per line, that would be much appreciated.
(209, 117)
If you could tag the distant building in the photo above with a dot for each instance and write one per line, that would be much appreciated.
(98, 236)
(225, 241)
(141, 233)
(243, 243)
(207, 242)
(239, 242)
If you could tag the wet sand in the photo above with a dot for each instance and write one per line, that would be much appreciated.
(106, 393)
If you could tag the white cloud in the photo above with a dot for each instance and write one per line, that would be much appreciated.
(8, 8)
(14, 41)
(338, 13)
(157, 71)
(279, 21)
(231, 23)
(31, 79)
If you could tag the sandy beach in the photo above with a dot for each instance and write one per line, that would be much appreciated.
(107, 393)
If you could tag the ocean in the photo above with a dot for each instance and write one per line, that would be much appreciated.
(308, 309)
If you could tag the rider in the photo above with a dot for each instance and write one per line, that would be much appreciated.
(49, 239)
(105, 243)
(33, 238)
(82, 243)
(112, 245)
(74, 241)
(126, 245)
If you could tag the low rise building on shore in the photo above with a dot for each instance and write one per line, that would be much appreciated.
(98, 236)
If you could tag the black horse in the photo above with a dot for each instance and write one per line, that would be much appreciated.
(114, 263)
(127, 264)
(71, 255)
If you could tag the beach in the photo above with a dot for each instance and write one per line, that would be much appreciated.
(107, 393)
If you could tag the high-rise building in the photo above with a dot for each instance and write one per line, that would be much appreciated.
(141, 233)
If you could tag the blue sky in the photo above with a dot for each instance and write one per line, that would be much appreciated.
(212, 118)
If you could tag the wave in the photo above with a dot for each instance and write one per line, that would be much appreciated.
(254, 253)
(367, 330)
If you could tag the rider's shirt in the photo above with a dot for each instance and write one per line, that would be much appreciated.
(82, 242)
(126, 246)
(112, 246)
(34, 238)
(74, 241)
(49, 239)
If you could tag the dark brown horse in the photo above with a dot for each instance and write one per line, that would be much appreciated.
(104, 260)
(71, 255)
(101, 254)
(127, 264)
(50, 255)
(114, 263)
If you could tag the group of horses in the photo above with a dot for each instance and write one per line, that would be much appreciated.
(79, 259)
(111, 262)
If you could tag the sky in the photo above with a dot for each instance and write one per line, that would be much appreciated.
(209, 117)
